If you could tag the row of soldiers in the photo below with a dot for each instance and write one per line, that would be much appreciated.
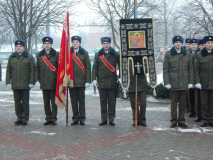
(190, 70)
(22, 73)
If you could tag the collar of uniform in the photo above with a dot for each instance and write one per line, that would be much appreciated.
(110, 51)
(24, 54)
(52, 52)
(81, 50)
(204, 52)
(173, 51)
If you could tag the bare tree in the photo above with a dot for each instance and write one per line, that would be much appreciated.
(165, 25)
(25, 17)
(199, 16)
(108, 11)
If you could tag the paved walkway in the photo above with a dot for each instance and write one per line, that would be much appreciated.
(92, 142)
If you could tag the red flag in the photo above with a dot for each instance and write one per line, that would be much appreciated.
(65, 66)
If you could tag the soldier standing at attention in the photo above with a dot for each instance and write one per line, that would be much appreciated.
(191, 92)
(104, 69)
(187, 41)
(47, 64)
(178, 77)
(82, 79)
(21, 75)
(201, 44)
(204, 80)
(141, 93)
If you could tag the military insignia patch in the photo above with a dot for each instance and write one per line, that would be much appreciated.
(18, 42)
(210, 38)
(177, 37)
(47, 39)
(193, 40)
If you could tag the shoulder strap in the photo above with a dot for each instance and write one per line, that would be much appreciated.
(53, 68)
(80, 64)
(107, 64)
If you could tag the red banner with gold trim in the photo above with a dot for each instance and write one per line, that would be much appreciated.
(107, 64)
(65, 66)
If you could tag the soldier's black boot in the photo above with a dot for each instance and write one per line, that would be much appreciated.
(24, 122)
(74, 123)
(192, 114)
(182, 125)
(133, 124)
(102, 123)
(47, 123)
(112, 123)
(18, 122)
(197, 119)
(82, 123)
(173, 125)
(54, 123)
(144, 124)
(203, 124)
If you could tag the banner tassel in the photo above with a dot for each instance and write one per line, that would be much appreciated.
(154, 92)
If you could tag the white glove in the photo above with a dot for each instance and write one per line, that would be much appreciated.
(168, 86)
(9, 86)
(198, 86)
(31, 85)
(37, 83)
(94, 82)
(190, 86)
(87, 85)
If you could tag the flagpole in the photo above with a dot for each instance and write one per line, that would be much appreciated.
(67, 105)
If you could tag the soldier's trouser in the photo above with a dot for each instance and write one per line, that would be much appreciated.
(207, 105)
(21, 98)
(141, 107)
(107, 96)
(197, 103)
(178, 96)
(191, 100)
(187, 101)
(77, 96)
(50, 111)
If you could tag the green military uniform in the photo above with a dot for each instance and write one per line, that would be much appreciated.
(191, 91)
(178, 72)
(77, 93)
(106, 82)
(48, 79)
(141, 92)
(0, 73)
(20, 73)
(204, 76)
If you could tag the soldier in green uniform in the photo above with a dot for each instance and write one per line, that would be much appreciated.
(82, 79)
(178, 77)
(141, 93)
(0, 73)
(204, 80)
(47, 64)
(187, 42)
(197, 91)
(104, 69)
(201, 44)
(191, 92)
(21, 75)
